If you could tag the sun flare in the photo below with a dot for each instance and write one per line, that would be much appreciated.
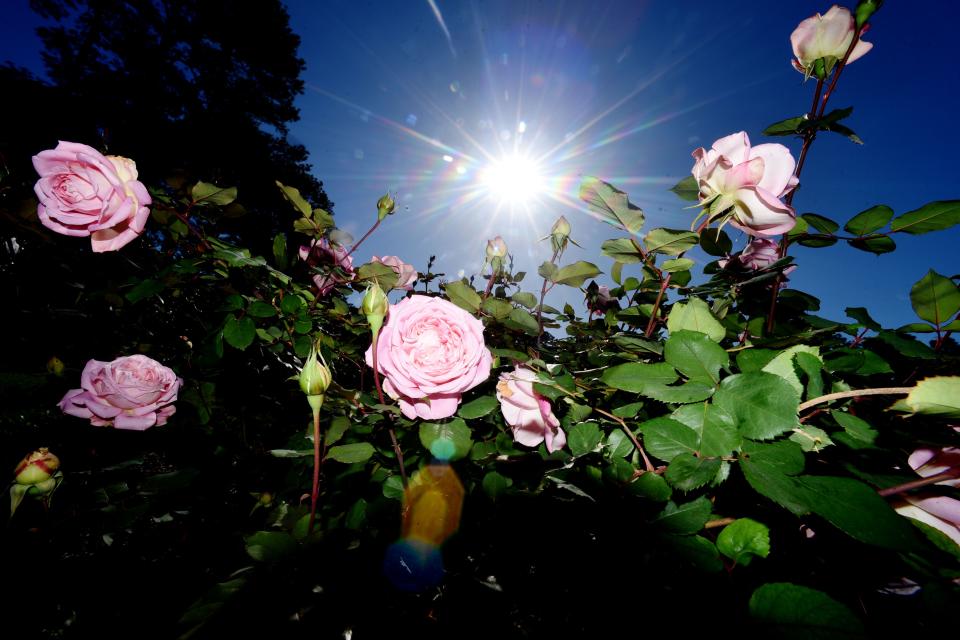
(514, 180)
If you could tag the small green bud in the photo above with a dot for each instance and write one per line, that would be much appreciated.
(496, 254)
(36, 468)
(375, 306)
(560, 234)
(866, 9)
(55, 366)
(385, 206)
(315, 376)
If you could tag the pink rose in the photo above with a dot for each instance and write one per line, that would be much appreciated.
(333, 256)
(133, 392)
(406, 274)
(430, 351)
(527, 412)
(749, 181)
(826, 36)
(84, 193)
(760, 253)
(599, 303)
(940, 512)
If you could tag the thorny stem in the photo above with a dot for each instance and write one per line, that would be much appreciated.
(543, 292)
(486, 292)
(623, 425)
(393, 435)
(316, 469)
(880, 391)
(194, 230)
(949, 474)
(652, 323)
(365, 236)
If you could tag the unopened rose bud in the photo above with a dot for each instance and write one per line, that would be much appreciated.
(866, 9)
(315, 377)
(55, 366)
(560, 234)
(375, 306)
(385, 206)
(496, 253)
(36, 468)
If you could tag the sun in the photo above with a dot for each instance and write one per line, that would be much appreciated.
(514, 180)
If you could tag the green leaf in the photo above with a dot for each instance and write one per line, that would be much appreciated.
(783, 365)
(868, 221)
(878, 244)
(546, 270)
(692, 391)
(812, 366)
(292, 304)
(462, 295)
(628, 410)
(393, 488)
(584, 438)
(377, 272)
(696, 356)
(574, 275)
(917, 327)
(666, 438)
(907, 345)
(525, 321)
(623, 250)
(787, 127)
(684, 518)
(261, 309)
(821, 223)
(239, 334)
(714, 427)
(938, 396)
(526, 299)
(338, 426)
(935, 298)
(670, 242)
(616, 272)
(769, 467)
(633, 376)
(687, 189)
(351, 453)
(677, 264)
(697, 551)
(857, 428)
(446, 441)
(651, 486)
(206, 193)
(611, 204)
(785, 610)
(763, 405)
(688, 472)
(861, 315)
(280, 250)
(934, 216)
(267, 546)
(497, 308)
(478, 408)
(754, 359)
(495, 485)
(695, 315)
(144, 290)
(292, 194)
(743, 539)
(618, 445)
(811, 438)
(715, 242)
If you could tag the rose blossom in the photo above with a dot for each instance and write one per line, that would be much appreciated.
(406, 274)
(750, 180)
(334, 256)
(759, 254)
(84, 193)
(826, 36)
(940, 512)
(132, 392)
(599, 303)
(430, 351)
(527, 412)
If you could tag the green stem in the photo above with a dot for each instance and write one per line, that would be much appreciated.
(543, 293)
(881, 391)
(393, 435)
(314, 494)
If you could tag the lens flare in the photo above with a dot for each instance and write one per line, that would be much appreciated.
(514, 180)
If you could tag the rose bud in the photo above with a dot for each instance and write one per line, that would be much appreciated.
(496, 252)
(38, 467)
(55, 366)
(375, 306)
(385, 206)
(315, 378)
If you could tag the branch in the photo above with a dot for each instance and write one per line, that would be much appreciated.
(633, 438)
(881, 391)
(949, 474)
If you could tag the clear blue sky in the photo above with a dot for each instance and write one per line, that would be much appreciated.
(623, 90)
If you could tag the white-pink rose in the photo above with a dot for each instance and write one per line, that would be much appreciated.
(430, 351)
(747, 181)
(132, 392)
(528, 413)
(826, 36)
(334, 258)
(940, 512)
(84, 193)
(406, 274)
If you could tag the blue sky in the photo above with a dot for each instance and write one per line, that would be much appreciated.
(620, 90)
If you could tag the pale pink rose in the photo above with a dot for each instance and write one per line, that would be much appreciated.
(430, 351)
(940, 512)
(930, 462)
(334, 258)
(751, 180)
(527, 412)
(760, 253)
(406, 274)
(602, 301)
(84, 193)
(826, 36)
(132, 392)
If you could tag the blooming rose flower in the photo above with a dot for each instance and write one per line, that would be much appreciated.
(759, 254)
(750, 180)
(527, 412)
(601, 301)
(84, 193)
(940, 512)
(406, 274)
(826, 36)
(333, 256)
(430, 351)
(133, 392)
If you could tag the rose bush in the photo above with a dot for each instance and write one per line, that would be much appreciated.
(334, 258)
(84, 193)
(406, 274)
(430, 351)
(528, 413)
(826, 36)
(748, 182)
(132, 392)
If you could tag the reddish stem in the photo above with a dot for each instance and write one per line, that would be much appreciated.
(393, 435)
(949, 474)
(652, 323)
(314, 494)
(365, 236)
(543, 292)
